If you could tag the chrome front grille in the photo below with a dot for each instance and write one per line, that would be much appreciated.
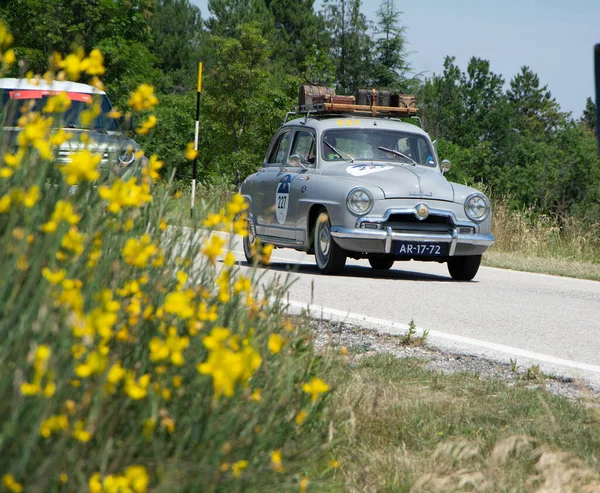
(408, 223)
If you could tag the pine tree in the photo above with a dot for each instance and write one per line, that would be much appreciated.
(391, 67)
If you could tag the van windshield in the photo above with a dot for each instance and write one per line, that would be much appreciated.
(13, 101)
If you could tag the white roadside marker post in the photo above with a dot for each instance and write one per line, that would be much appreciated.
(196, 130)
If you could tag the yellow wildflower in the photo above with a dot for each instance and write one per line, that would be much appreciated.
(83, 166)
(275, 343)
(6, 172)
(31, 196)
(137, 389)
(143, 98)
(5, 203)
(168, 424)
(238, 467)
(190, 152)
(80, 433)
(49, 390)
(54, 277)
(63, 478)
(172, 347)
(276, 461)
(95, 363)
(59, 103)
(94, 483)
(301, 416)
(125, 194)
(213, 248)
(315, 388)
(303, 485)
(147, 125)
(94, 63)
(116, 373)
(30, 388)
(63, 211)
(257, 395)
(139, 252)
(180, 304)
(8, 480)
(55, 423)
(72, 64)
(9, 57)
(73, 241)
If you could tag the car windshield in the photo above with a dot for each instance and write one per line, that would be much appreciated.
(377, 145)
(13, 100)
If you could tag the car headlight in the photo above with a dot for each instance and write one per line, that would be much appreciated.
(127, 156)
(477, 207)
(359, 201)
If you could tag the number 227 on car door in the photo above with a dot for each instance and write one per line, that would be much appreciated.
(282, 198)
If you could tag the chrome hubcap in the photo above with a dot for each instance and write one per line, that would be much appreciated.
(324, 243)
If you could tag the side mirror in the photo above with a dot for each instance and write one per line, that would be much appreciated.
(296, 160)
(446, 165)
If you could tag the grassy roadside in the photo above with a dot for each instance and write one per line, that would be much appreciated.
(410, 429)
(553, 266)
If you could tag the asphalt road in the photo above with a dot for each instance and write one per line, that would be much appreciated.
(502, 314)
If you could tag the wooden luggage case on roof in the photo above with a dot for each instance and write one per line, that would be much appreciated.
(321, 99)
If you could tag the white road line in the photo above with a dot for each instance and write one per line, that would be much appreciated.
(341, 315)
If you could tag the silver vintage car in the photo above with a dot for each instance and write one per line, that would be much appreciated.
(341, 184)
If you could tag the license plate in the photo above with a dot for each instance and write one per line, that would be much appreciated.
(421, 249)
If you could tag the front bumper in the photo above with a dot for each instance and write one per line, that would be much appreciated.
(355, 239)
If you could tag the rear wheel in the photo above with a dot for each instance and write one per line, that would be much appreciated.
(381, 263)
(330, 257)
(464, 268)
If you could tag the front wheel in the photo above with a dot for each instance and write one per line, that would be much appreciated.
(330, 257)
(381, 263)
(464, 268)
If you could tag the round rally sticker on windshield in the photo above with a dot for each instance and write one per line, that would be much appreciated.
(366, 169)
(282, 198)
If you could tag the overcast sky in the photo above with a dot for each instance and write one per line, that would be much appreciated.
(553, 37)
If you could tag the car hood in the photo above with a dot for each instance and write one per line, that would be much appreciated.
(399, 181)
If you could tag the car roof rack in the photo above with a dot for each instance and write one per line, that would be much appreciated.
(321, 100)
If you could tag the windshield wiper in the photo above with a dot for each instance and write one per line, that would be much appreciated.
(350, 159)
(398, 153)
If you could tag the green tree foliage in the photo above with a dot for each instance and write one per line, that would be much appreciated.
(391, 67)
(177, 39)
(228, 15)
(297, 29)
(351, 44)
(588, 119)
(41, 27)
(536, 111)
(242, 108)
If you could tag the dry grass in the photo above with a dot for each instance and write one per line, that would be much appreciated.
(411, 430)
(533, 242)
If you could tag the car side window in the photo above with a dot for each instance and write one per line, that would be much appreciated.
(279, 149)
(304, 146)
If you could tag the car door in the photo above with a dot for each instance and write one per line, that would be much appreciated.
(266, 184)
(301, 163)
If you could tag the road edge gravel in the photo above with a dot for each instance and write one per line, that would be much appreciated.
(361, 342)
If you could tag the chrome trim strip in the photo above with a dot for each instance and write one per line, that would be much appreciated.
(412, 210)
(388, 240)
(377, 234)
(453, 242)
